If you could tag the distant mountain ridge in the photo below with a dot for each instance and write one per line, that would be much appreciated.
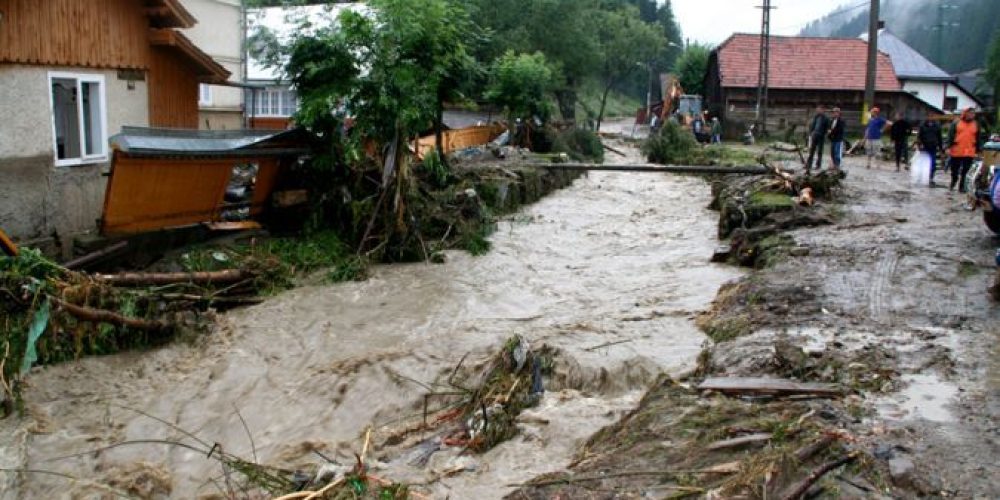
(968, 28)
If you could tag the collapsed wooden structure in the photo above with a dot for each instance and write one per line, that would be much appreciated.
(162, 178)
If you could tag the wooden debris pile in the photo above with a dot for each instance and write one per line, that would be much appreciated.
(754, 211)
(52, 314)
(722, 438)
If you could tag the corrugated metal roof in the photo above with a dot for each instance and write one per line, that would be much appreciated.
(908, 63)
(141, 141)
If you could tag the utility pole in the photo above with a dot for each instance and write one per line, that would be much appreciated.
(940, 27)
(870, 76)
(765, 56)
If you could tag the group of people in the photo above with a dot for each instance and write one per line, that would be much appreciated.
(963, 142)
(821, 128)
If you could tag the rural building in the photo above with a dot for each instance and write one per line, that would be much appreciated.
(922, 78)
(73, 73)
(220, 107)
(804, 72)
(975, 81)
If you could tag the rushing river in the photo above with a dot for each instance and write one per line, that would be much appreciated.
(616, 258)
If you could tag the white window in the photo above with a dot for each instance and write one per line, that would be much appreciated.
(79, 118)
(276, 102)
(204, 94)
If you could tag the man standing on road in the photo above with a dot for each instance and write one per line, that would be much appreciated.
(963, 144)
(900, 134)
(818, 128)
(836, 135)
(929, 141)
(716, 131)
(873, 135)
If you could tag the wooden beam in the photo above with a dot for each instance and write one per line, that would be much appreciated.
(768, 387)
(7, 245)
(647, 167)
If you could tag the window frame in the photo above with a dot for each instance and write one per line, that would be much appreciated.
(204, 89)
(276, 99)
(80, 78)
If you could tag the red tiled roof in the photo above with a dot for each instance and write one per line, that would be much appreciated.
(803, 63)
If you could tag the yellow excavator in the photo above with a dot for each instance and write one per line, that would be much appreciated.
(686, 109)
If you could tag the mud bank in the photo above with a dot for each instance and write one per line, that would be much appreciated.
(609, 272)
(887, 300)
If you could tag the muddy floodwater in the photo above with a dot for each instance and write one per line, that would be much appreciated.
(617, 258)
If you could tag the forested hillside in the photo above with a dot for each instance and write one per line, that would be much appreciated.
(954, 34)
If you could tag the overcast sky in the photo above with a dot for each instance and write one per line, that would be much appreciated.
(712, 21)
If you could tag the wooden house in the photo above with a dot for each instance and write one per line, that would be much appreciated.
(803, 73)
(72, 73)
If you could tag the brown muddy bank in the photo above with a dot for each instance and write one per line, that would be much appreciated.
(887, 299)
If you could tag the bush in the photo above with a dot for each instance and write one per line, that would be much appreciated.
(671, 145)
(580, 145)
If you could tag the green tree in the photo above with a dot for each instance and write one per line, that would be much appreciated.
(413, 59)
(628, 45)
(519, 83)
(672, 32)
(563, 30)
(691, 67)
(992, 73)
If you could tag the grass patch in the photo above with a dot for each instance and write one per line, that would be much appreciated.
(764, 199)
(619, 105)
(284, 258)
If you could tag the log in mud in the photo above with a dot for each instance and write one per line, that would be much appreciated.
(608, 273)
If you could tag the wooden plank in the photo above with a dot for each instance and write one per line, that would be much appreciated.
(647, 167)
(740, 441)
(94, 34)
(173, 90)
(768, 386)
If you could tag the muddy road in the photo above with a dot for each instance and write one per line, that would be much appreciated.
(888, 300)
(616, 259)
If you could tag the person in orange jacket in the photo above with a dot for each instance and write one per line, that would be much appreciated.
(964, 143)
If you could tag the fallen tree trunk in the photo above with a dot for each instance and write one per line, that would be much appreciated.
(103, 316)
(648, 167)
(223, 300)
(152, 279)
(95, 256)
(769, 387)
(797, 491)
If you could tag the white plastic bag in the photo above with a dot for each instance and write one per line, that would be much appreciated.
(920, 169)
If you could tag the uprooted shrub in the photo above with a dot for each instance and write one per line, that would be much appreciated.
(51, 314)
(671, 145)
(580, 145)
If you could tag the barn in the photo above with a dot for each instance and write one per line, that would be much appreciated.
(803, 72)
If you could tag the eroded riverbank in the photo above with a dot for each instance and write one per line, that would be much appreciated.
(614, 258)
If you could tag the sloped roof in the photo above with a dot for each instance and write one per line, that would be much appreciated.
(209, 71)
(144, 141)
(908, 63)
(803, 63)
(169, 14)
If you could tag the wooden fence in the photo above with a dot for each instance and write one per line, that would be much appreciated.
(454, 140)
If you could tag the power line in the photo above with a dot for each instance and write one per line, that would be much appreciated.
(842, 10)
(765, 56)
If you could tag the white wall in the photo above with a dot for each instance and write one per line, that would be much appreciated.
(218, 33)
(37, 198)
(964, 100)
(930, 92)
